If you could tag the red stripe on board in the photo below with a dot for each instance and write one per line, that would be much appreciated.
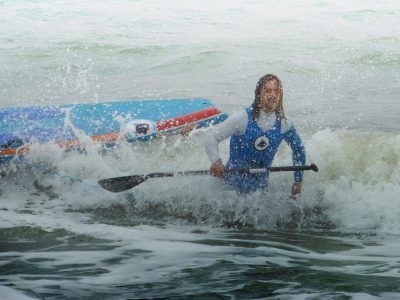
(104, 138)
(13, 151)
(186, 119)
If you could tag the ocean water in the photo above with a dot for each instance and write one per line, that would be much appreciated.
(63, 237)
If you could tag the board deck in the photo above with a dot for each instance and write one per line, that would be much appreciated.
(132, 120)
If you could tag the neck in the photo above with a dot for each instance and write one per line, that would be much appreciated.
(268, 112)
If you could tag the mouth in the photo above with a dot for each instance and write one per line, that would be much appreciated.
(270, 106)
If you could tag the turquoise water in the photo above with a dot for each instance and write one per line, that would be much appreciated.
(62, 237)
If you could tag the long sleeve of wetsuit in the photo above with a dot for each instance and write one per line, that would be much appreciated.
(298, 150)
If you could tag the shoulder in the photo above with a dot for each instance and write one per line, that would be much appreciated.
(238, 120)
(240, 114)
(238, 117)
(235, 124)
(286, 125)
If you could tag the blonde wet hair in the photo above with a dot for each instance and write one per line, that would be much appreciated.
(256, 106)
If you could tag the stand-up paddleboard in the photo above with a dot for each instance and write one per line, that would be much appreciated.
(105, 123)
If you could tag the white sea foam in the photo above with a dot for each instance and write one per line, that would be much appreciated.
(356, 187)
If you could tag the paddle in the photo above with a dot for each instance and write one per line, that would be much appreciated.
(120, 184)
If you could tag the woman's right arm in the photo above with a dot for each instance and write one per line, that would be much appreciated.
(236, 124)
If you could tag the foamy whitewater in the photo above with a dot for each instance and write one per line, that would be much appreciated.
(64, 237)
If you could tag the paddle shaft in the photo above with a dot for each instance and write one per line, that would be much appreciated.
(120, 184)
(237, 171)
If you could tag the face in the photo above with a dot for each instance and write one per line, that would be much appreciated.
(270, 94)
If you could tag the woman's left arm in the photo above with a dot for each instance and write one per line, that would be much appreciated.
(298, 155)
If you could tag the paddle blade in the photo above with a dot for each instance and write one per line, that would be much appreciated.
(120, 184)
(314, 167)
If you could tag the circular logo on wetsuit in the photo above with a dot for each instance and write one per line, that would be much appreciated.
(261, 143)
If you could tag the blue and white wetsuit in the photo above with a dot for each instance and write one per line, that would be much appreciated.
(254, 145)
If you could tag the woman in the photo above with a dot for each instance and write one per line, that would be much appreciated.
(256, 134)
